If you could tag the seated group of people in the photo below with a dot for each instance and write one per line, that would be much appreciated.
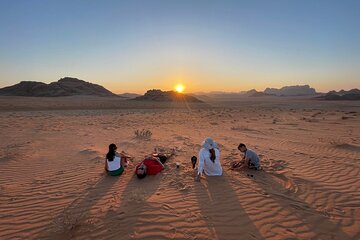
(209, 161)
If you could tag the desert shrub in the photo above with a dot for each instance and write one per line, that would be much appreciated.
(144, 134)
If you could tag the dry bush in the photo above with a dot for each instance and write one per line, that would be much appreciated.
(144, 134)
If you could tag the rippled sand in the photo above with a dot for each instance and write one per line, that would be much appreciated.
(53, 186)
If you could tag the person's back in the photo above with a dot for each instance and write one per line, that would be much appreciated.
(252, 157)
(211, 168)
(115, 164)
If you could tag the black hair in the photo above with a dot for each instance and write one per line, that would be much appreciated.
(162, 158)
(241, 145)
(212, 155)
(111, 154)
(141, 176)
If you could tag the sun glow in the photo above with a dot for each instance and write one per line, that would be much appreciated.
(179, 88)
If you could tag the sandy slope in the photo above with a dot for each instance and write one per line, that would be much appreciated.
(52, 184)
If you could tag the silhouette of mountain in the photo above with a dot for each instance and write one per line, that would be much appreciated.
(254, 93)
(297, 90)
(353, 94)
(304, 90)
(166, 96)
(250, 92)
(64, 87)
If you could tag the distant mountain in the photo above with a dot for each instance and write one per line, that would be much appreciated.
(129, 95)
(166, 96)
(250, 92)
(258, 94)
(219, 95)
(255, 93)
(304, 90)
(343, 92)
(298, 90)
(64, 87)
(353, 94)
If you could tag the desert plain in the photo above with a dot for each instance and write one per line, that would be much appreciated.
(53, 184)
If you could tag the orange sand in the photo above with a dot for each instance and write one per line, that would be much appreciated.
(52, 183)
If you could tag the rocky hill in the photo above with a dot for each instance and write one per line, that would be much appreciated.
(298, 90)
(166, 96)
(64, 87)
(353, 94)
(254, 93)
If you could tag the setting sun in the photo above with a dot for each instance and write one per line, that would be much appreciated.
(179, 88)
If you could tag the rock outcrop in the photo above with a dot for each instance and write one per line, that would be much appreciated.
(64, 87)
(304, 90)
(353, 94)
(166, 96)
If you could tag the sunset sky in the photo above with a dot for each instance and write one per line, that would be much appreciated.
(132, 46)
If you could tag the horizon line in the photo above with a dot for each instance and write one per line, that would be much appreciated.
(185, 92)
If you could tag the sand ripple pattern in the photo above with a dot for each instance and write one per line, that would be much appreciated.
(52, 184)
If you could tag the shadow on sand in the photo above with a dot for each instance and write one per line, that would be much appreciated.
(123, 220)
(71, 220)
(221, 208)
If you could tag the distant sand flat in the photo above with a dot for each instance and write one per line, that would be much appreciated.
(52, 183)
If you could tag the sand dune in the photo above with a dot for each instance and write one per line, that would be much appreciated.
(52, 183)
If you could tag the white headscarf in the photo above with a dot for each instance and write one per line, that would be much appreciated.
(209, 143)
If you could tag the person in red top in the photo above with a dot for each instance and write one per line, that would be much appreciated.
(151, 165)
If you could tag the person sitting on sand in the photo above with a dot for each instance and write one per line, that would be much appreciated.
(151, 165)
(114, 162)
(209, 159)
(250, 159)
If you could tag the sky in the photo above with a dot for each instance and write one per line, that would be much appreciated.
(133, 46)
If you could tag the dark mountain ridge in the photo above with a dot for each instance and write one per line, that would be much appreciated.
(298, 90)
(64, 87)
(353, 94)
(166, 96)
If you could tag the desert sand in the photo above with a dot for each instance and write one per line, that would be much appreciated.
(53, 185)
